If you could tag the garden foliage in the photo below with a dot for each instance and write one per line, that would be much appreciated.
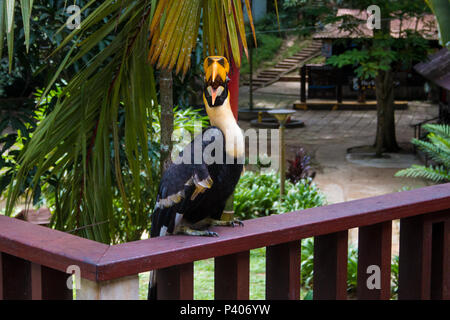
(437, 148)
(258, 194)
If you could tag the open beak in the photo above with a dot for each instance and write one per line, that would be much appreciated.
(214, 93)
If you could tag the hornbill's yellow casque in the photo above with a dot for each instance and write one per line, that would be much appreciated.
(192, 195)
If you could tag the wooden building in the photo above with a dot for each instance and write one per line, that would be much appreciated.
(325, 82)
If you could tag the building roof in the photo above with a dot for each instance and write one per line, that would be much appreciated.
(425, 24)
(436, 68)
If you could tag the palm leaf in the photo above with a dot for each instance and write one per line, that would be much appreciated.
(441, 9)
(441, 129)
(438, 149)
(438, 145)
(2, 25)
(173, 38)
(89, 158)
(435, 174)
(75, 140)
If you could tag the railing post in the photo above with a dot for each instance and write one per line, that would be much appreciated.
(330, 266)
(231, 276)
(440, 261)
(126, 288)
(374, 249)
(283, 271)
(16, 278)
(446, 261)
(303, 84)
(1, 277)
(415, 258)
(55, 285)
(36, 281)
(21, 279)
(176, 283)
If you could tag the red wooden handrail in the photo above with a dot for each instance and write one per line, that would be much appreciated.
(99, 262)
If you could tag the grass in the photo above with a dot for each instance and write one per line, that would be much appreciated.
(292, 47)
(317, 60)
(271, 50)
(268, 46)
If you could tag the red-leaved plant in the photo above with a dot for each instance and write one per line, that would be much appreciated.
(300, 168)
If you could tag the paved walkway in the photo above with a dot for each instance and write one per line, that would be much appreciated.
(328, 134)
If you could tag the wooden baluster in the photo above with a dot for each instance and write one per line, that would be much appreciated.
(283, 271)
(16, 278)
(55, 285)
(20, 279)
(440, 261)
(36, 281)
(446, 261)
(374, 248)
(415, 258)
(176, 283)
(231, 276)
(1, 277)
(330, 266)
(303, 84)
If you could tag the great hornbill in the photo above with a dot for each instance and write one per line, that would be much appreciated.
(192, 194)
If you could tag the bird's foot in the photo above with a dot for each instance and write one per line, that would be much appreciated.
(225, 223)
(193, 232)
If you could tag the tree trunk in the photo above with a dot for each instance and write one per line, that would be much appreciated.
(385, 140)
(167, 117)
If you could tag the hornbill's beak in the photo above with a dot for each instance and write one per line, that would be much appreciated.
(216, 71)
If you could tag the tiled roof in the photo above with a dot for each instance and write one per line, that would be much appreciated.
(425, 24)
(437, 68)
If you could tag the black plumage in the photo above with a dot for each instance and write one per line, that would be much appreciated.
(193, 192)
(180, 181)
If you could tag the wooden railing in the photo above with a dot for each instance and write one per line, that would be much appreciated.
(34, 259)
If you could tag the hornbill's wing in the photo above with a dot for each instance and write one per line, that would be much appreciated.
(182, 184)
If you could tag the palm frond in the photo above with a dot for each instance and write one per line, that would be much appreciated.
(174, 31)
(7, 25)
(79, 148)
(439, 129)
(434, 151)
(78, 140)
(435, 174)
(438, 145)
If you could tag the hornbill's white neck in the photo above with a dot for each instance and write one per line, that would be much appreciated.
(223, 118)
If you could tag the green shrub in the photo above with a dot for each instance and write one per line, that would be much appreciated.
(394, 276)
(438, 149)
(268, 45)
(257, 195)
